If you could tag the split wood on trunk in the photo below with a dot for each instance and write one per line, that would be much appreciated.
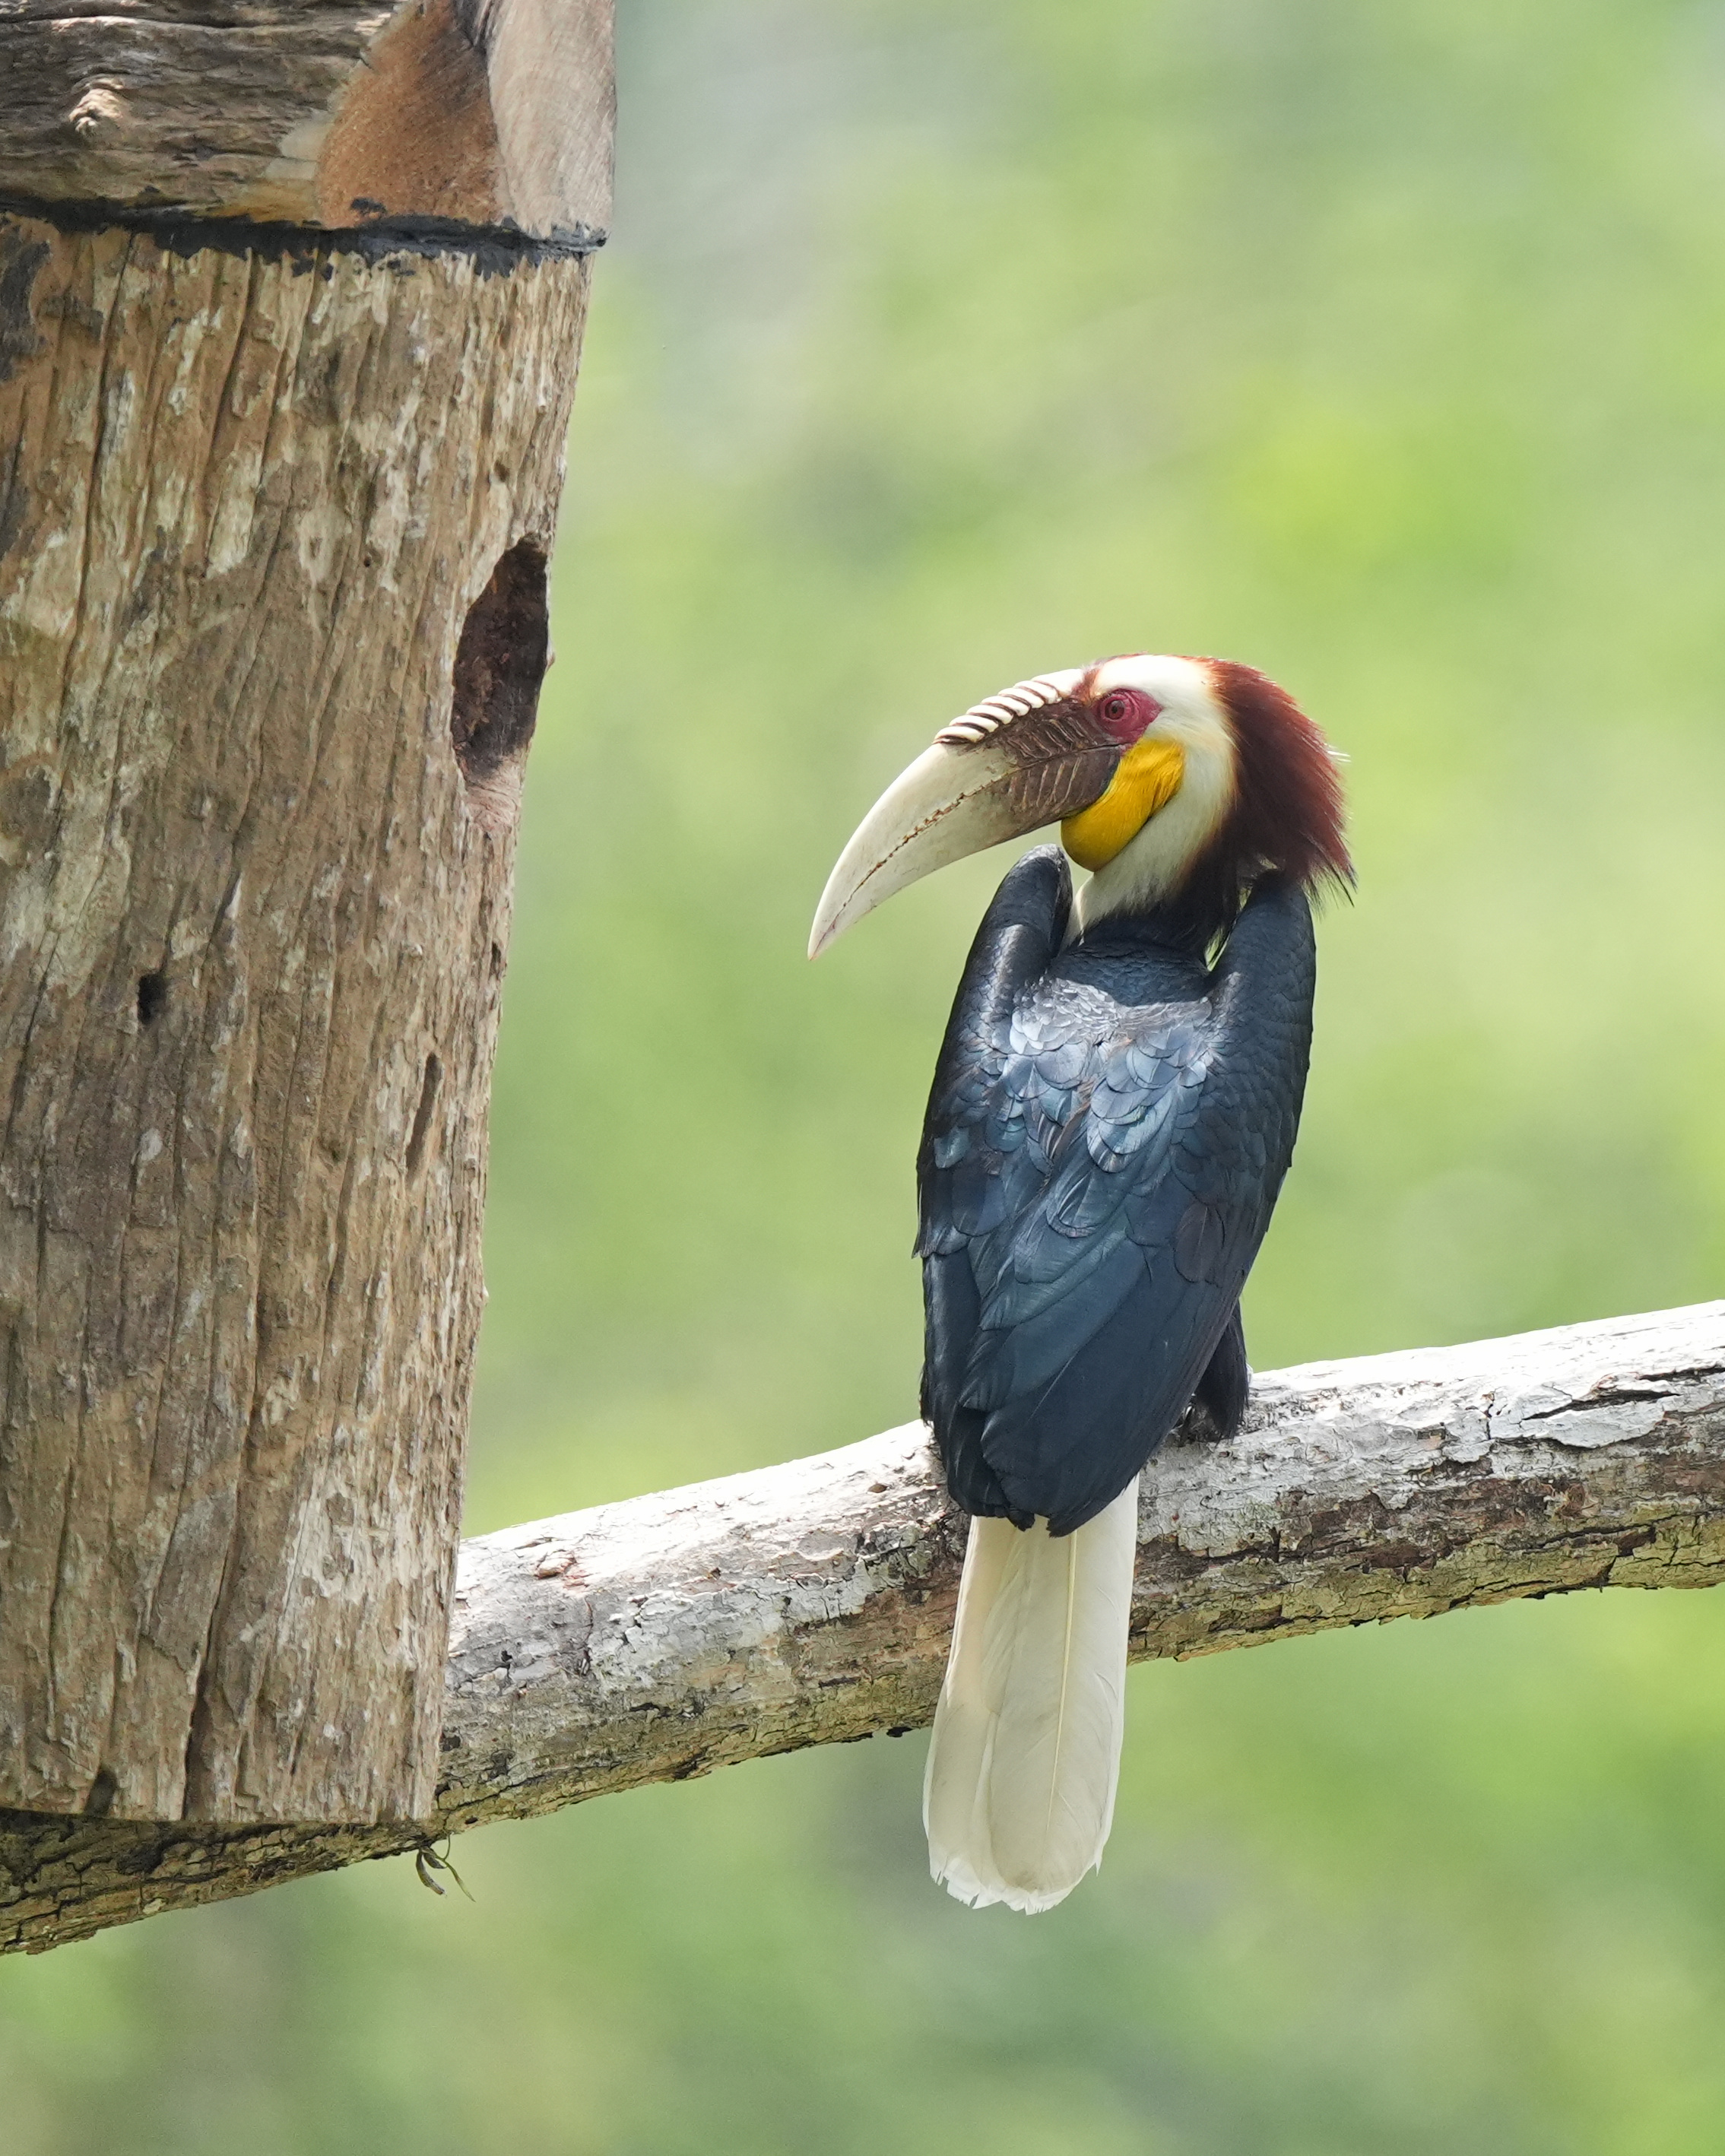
(658, 1639)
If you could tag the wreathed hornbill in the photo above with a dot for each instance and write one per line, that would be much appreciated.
(1113, 1114)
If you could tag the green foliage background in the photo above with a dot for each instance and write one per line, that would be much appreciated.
(941, 343)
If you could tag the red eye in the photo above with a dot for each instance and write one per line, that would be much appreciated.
(1126, 713)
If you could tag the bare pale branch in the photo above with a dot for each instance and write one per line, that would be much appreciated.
(658, 1639)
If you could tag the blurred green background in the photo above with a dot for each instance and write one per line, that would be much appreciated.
(939, 344)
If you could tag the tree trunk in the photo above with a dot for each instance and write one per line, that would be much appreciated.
(812, 1604)
(276, 507)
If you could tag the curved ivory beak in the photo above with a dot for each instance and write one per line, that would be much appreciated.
(950, 802)
(956, 800)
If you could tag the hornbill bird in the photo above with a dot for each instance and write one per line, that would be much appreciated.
(1112, 1113)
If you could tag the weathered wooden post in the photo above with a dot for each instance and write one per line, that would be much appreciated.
(291, 305)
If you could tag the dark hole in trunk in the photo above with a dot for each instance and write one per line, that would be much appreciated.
(500, 664)
(422, 1114)
(152, 996)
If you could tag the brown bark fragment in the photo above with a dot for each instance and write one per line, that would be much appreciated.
(414, 127)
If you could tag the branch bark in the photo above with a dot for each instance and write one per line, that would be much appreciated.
(329, 113)
(810, 1604)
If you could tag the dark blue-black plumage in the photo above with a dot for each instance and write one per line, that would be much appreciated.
(1110, 1124)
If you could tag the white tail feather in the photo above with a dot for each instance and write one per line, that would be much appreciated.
(1019, 1793)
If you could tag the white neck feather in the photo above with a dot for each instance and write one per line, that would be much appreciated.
(1152, 866)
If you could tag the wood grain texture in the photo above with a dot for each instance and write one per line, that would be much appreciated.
(330, 112)
(253, 920)
(811, 1604)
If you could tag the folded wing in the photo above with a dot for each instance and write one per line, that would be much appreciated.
(1097, 1172)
